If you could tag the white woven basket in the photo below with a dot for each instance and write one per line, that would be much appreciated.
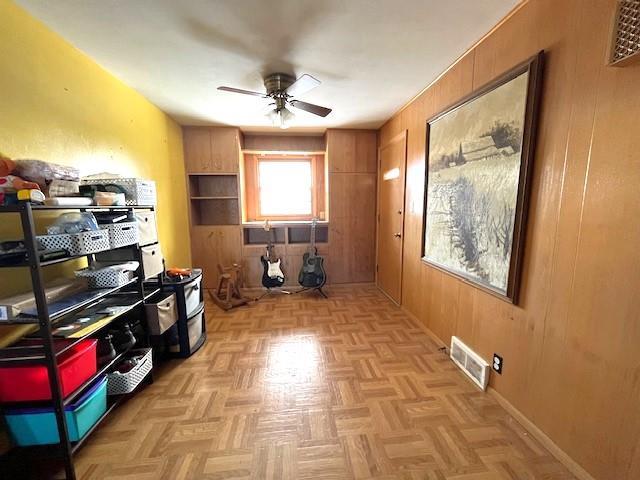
(81, 243)
(122, 234)
(136, 190)
(121, 383)
(105, 277)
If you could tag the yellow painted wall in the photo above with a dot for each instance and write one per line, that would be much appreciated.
(57, 104)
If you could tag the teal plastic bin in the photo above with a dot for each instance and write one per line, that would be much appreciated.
(37, 426)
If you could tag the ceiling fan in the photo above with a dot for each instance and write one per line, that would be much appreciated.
(282, 88)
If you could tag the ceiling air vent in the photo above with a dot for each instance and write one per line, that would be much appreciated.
(625, 36)
(470, 362)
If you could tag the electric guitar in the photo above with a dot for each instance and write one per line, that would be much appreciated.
(312, 274)
(272, 275)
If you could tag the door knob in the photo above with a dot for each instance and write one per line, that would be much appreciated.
(399, 212)
(397, 235)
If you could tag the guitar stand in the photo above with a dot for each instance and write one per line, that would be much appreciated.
(319, 289)
(271, 291)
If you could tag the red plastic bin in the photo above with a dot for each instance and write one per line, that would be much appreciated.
(31, 383)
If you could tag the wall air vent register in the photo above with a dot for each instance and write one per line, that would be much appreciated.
(625, 36)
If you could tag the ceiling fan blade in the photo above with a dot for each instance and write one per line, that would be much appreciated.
(302, 85)
(311, 108)
(244, 92)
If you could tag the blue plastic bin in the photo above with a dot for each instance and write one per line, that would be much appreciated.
(37, 426)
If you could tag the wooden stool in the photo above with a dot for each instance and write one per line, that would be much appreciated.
(228, 295)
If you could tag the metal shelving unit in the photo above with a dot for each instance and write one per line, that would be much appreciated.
(46, 354)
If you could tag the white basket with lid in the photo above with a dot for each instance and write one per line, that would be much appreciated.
(137, 191)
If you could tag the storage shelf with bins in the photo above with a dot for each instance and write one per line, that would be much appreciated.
(44, 324)
(214, 199)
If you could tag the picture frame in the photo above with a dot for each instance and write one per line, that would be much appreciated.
(479, 153)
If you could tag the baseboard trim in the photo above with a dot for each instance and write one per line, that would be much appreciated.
(542, 437)
(431, 335)
(560, 455)
(388, 297)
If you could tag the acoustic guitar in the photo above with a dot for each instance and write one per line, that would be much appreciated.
(312, 274)
(272, 275)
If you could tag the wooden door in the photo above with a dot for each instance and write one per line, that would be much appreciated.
(391, 183)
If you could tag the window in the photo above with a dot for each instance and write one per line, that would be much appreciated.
(284, 187)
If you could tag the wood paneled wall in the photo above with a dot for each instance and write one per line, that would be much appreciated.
(571, 362)
(211, 149)
(352, 166)
(299, 143)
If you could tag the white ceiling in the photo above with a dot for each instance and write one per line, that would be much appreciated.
(372, 56)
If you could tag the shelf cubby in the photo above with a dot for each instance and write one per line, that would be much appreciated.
(214, 199)
(213, 186)
(218, 211)
(259, 236)
(302, 234)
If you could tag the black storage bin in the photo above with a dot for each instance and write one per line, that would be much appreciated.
(189, 333)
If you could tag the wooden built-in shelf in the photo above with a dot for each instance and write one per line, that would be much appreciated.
(213, 186)
(215, 212)
(302, 234)
(259, 236)
(289, 235)
(220, 168)
(290, 242)
(214, 199)
(283, 223)
(210, 174)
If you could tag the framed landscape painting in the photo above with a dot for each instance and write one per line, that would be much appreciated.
(478, 157)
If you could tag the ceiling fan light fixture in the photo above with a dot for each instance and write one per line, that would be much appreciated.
(281, 117)
(281, 90)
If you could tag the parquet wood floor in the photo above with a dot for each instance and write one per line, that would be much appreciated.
(301, 387)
